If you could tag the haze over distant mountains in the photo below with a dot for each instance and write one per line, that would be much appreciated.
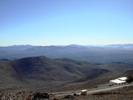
(107, 53)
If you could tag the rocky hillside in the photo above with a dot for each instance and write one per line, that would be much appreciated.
(38, 70)
(41, 71)
(129, 73)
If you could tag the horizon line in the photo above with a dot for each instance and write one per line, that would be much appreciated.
(68, 44)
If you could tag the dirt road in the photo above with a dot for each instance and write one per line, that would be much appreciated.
(91, 91)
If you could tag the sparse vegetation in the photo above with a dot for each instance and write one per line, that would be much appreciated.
(125, 93)
(129, 79)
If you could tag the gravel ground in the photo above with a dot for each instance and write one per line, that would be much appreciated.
(125, 93)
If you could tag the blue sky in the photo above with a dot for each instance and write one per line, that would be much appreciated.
(64, 22)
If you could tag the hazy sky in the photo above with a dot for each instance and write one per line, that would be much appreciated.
(63, 22)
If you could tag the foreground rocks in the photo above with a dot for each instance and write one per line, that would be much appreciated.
(125, 93)
(28, 96)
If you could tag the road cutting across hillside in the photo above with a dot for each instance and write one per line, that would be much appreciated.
(91, 91)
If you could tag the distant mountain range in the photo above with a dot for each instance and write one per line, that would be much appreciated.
(124, 46)
(108, 53)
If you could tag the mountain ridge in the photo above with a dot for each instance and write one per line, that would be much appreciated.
(41, 71)
(110, 53)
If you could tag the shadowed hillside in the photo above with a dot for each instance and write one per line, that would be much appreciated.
(41, 70)
(129, 73)
(44, 72)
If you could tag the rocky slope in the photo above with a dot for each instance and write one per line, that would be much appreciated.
(42, 70)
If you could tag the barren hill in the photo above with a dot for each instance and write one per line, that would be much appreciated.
(41, 71)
